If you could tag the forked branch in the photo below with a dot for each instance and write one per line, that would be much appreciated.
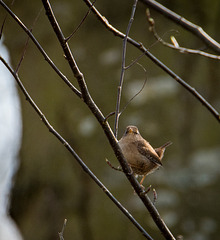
(123, 68)
(74, 154)
(95, 110)
(175, 44)
(161, 65)
(101, 119)
(40, 48)
(189, 26)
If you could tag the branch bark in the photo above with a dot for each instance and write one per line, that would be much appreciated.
(73, 153)
(108, 131)
(123, 68)
(193, 28)
(85, 95)
(161, 65)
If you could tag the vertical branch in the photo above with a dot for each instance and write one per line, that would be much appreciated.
(117, 111)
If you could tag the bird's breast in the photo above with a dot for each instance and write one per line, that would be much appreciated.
(140, 164)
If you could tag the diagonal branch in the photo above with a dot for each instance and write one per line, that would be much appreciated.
(80, 24)
(46, 57)
(112, 140)
(26, 44)
(101, 119)
(141, 47)
(193, 28)
(176, 46)
(74, 154)
(68, 54)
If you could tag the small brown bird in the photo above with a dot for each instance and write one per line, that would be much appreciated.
(141, 156)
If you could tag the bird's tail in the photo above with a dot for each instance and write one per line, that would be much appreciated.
(166, 145)
(160, 151)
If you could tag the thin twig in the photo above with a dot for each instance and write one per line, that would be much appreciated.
(75, 155)
(136, 94)
(23, 54)
(108, 116)
(46, 57)
(67, 52)
(80, 24)
(176, 46)
(161, 65)
(111, 166)
(147, 190)
(155, 195)
(4, 21)
(2, 27)
(117, 111)
(62, 232)
(28, 38)
(193, 28)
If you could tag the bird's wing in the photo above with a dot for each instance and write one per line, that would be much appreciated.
(144, 150)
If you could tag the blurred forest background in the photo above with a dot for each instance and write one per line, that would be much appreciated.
(49, 189)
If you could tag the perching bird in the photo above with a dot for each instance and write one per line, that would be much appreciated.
(140, 155)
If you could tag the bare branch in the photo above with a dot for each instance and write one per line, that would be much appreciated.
(119, 94)
(98, 114)
(80, 24)
(136, 94)
(62, 232)
(2, 27)
(101, 119)
(108, 116)
(46, 57)
(176, 46)
(4, 21)
(111, 166)
(74, 154)
(68, 54)
(26, 44)
(23, 54)
(193, 28)
(141, 47)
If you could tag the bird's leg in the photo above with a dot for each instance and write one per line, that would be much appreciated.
(115, 168)
(142, 179)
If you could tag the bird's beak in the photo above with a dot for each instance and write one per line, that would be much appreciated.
(130, 130)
